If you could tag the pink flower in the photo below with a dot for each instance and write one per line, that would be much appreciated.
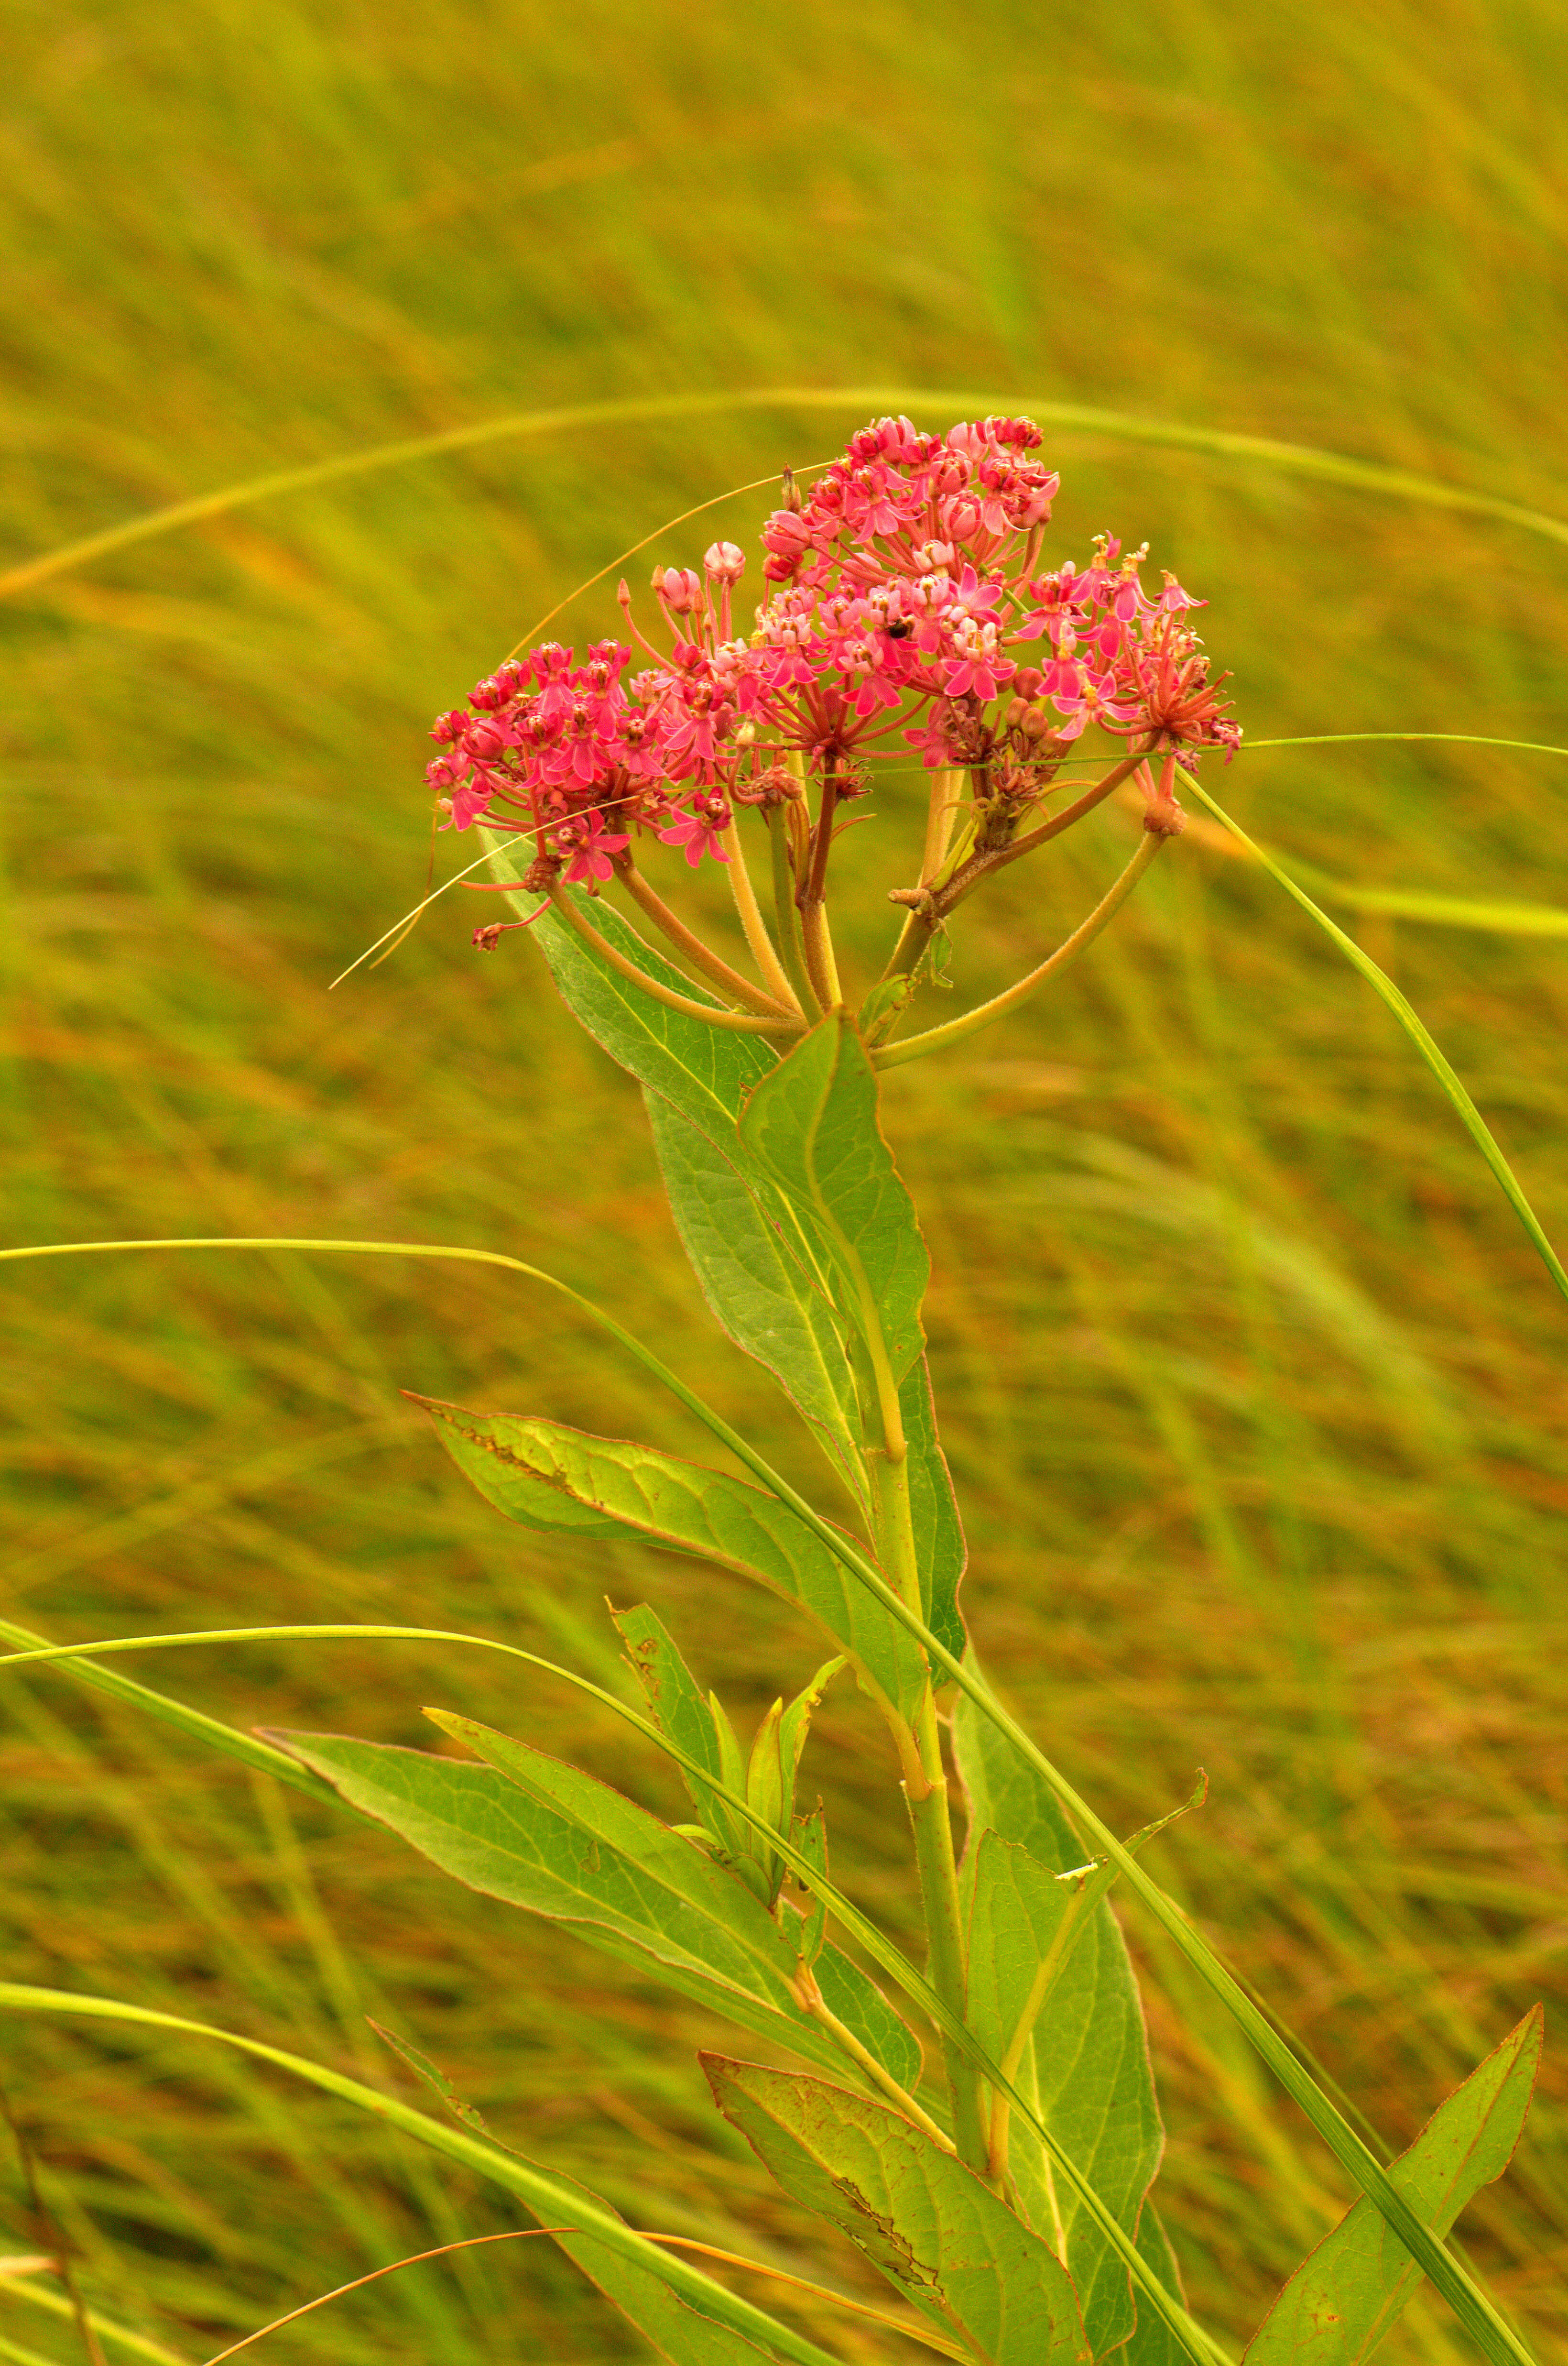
(699, 832)
(589, 846)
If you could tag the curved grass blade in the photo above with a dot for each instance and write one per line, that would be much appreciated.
(1496, 2339)
(1193, 2342)
(1297, 459)
(1387, 992)
(544, 2194)
(194, 1721)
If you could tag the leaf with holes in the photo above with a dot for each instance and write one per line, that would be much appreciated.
(933, 2228)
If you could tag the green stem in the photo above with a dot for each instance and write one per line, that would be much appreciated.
(812, 900)
(941, 814)
(739, 1020)
(762, 947)
(786, 911)
(937, 1039)
(686, 941)
(813, 2001)
(929, 1808)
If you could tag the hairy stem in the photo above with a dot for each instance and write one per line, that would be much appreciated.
(787, 911)
(940, 817)
(739, 1020)
(812, 898)
(762, 948)
(937, 1039)
(701, 956)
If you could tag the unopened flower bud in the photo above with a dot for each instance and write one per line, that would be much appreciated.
(725, 561)
(681, 589)
(793, 498)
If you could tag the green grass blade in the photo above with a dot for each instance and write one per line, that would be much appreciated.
(1496, 2340)
(1297, 459)
(1387, 992)
(194, 1721)
(533, 2186)
(1193, 2340)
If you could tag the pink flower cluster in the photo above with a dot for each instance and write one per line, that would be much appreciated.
(906, 597)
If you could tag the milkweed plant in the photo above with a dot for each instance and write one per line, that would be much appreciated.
(982, 2124)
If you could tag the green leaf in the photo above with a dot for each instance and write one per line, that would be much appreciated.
(1042, 1954)
(621, 1879)
(810, 1124)
(606, 1815)
(935, 2230)
(793, 1727)
(677, 1708)
(553, 2200)
(1349, 2291)
(939, 1548)
(1153, 2343)
(684, 2334)
(704, 1071)
(561, 1479)
(757, 1280)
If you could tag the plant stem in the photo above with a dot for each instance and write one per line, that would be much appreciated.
(929, 1810)
(755, 927)
(939, 820)
(812, 898)
(936, 1038)
(811, 2000)
(703, 957)
(740, 1021)
(927, 916)
(788, 911)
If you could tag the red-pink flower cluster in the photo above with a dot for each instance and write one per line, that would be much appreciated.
(905, 590)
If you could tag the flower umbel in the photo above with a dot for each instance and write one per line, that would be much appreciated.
(906, 608)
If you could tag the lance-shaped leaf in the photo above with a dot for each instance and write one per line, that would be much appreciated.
(644, 1895)
(1350, 2290)
(933, 2228)
(810, 1124)
(1051, 1989)
(616, 1821)
(561, 1479)
(757, 1276)
(678, 1708)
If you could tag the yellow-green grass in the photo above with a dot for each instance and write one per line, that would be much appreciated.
(1253, 1388)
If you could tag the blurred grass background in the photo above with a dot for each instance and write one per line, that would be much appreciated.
(1252, 1388)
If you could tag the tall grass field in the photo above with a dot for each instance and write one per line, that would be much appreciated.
(1254, 1389)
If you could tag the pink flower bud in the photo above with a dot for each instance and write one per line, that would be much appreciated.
(681, 589)
(725, 561)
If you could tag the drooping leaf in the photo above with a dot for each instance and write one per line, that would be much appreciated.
(1350, 2291)
(933, 2228)
(1044, 1958)
(754, 1277)
(615, 1822)
(549, 1476)
(678, 1708)
(666, 1909)
(810, 1124)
